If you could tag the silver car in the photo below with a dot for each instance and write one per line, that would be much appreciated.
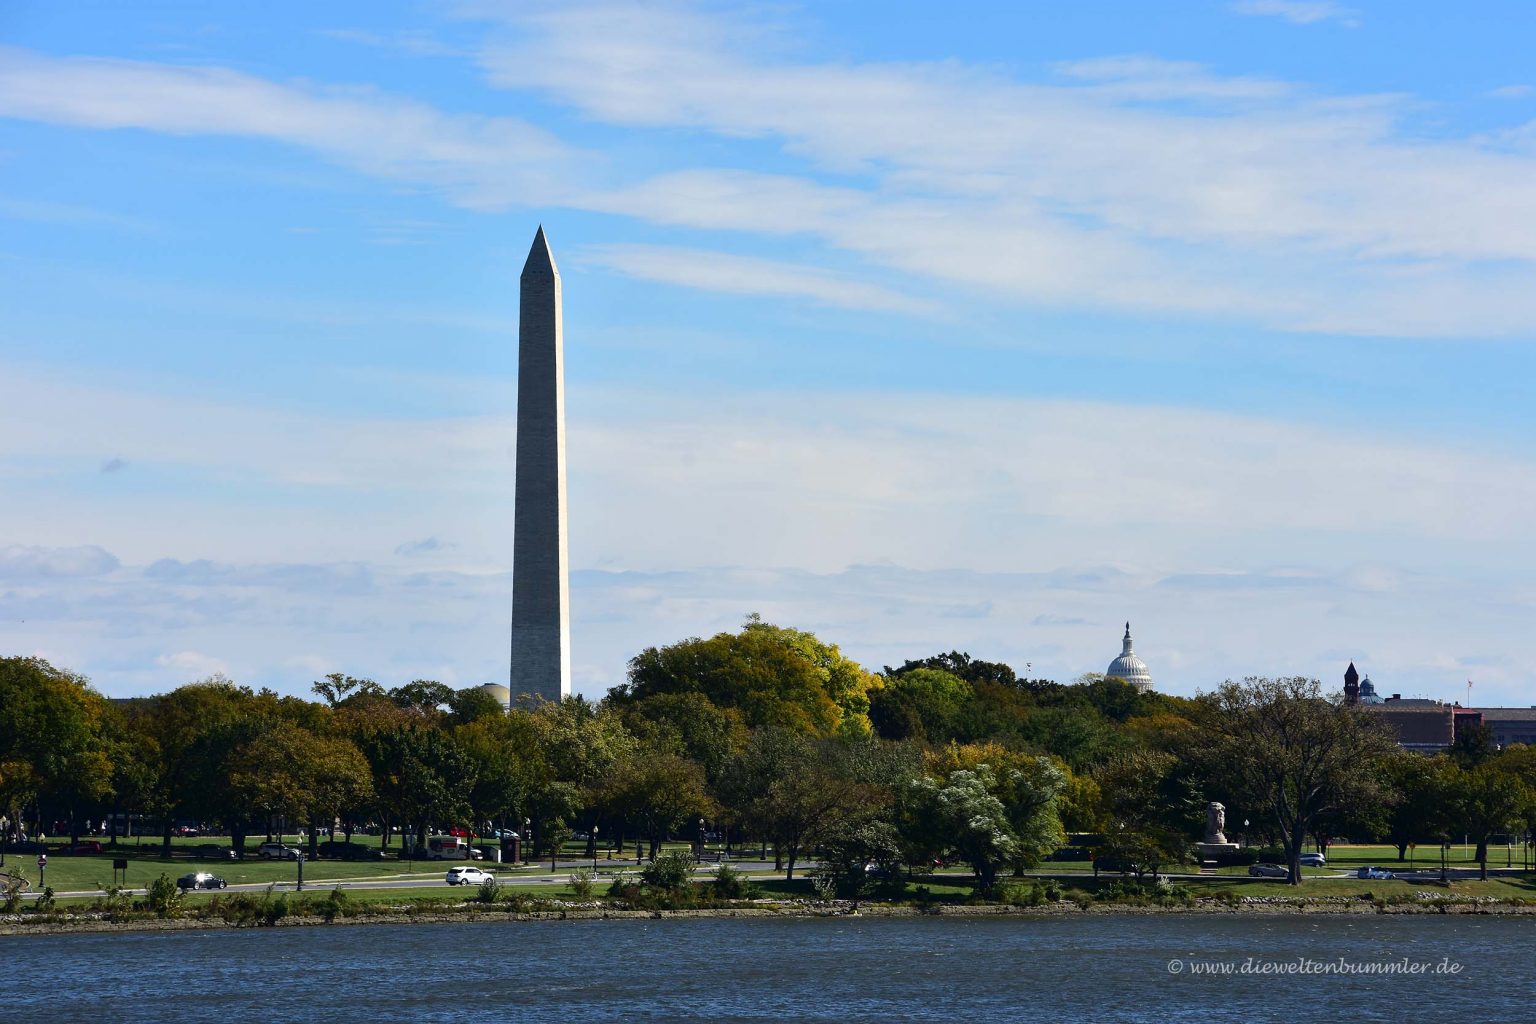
(1268, 871)
(465, 875)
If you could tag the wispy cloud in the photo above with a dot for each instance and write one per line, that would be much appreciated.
(1298, 12)
(23, 562)
(425, 546)
(1511, 92)
(743, 275)
(477, 160)
(136, 631)
(1123, 182)
(416, 42)
(192, 665)
(48, 212)
(1130, 182)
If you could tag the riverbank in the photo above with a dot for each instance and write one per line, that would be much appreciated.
(97, 922)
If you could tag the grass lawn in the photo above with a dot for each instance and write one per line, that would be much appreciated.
(68, 872)
(1502, 888)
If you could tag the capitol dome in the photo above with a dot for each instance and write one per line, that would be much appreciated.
(1128, 667)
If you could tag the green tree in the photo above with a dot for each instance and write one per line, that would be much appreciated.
(424, 696)
(51, 737)
(1414, 813)
(1481, 801)
(660, 792)
(794, 790)
(337, 688)
(772, 675)
(921, 703)
(1279, 747)
(690, 725)
(971, 822)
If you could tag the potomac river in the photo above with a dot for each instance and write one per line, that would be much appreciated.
(1153, 968)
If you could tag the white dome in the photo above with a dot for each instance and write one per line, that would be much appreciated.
(502, 694)
(1128, 667)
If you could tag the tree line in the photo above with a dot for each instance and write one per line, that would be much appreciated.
(773, 738)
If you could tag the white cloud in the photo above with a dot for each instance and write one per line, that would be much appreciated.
(1299, 12)
(1423, 636)
(193, 665)
(1241, 197)
(742, 275)
(1123, 182)
(814, 481)
(897, 525)
(22, 562)
(1511, 92)
(477, 160)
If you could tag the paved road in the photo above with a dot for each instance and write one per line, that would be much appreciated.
(431, 878)
(753, 868)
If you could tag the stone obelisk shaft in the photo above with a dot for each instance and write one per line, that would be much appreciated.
(541, 634)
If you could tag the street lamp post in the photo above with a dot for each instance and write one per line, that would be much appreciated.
(300, 860)
(527, 837)
(594, 849)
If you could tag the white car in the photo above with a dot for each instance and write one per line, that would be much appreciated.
(467, 876)
(1313, 860)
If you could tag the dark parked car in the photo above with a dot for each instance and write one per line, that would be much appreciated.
(85, 846)
(200, 880)
(348, 851)
(213, 851)
(26, 846)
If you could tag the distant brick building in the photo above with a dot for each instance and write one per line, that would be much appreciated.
(1510, 725)
(1418, 723)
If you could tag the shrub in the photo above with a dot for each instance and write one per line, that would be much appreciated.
(336, 904)
(12, 888)
(624, 885)
(1037, 894)
(45, 904)
(115, 903)
(489, 891)
(730, 884)
(824, 885)
(581, 884)
(669, 872)
(164, 896)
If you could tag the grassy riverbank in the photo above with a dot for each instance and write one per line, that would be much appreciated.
(771, 897)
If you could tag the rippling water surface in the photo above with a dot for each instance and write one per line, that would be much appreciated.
(1098, 968)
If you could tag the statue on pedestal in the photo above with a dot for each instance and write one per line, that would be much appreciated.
(1215, 822)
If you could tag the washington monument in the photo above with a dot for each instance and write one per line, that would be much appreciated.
(541, 615)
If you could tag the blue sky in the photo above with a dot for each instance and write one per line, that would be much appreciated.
(982, 326)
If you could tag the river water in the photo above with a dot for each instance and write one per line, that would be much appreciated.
(951, 969)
